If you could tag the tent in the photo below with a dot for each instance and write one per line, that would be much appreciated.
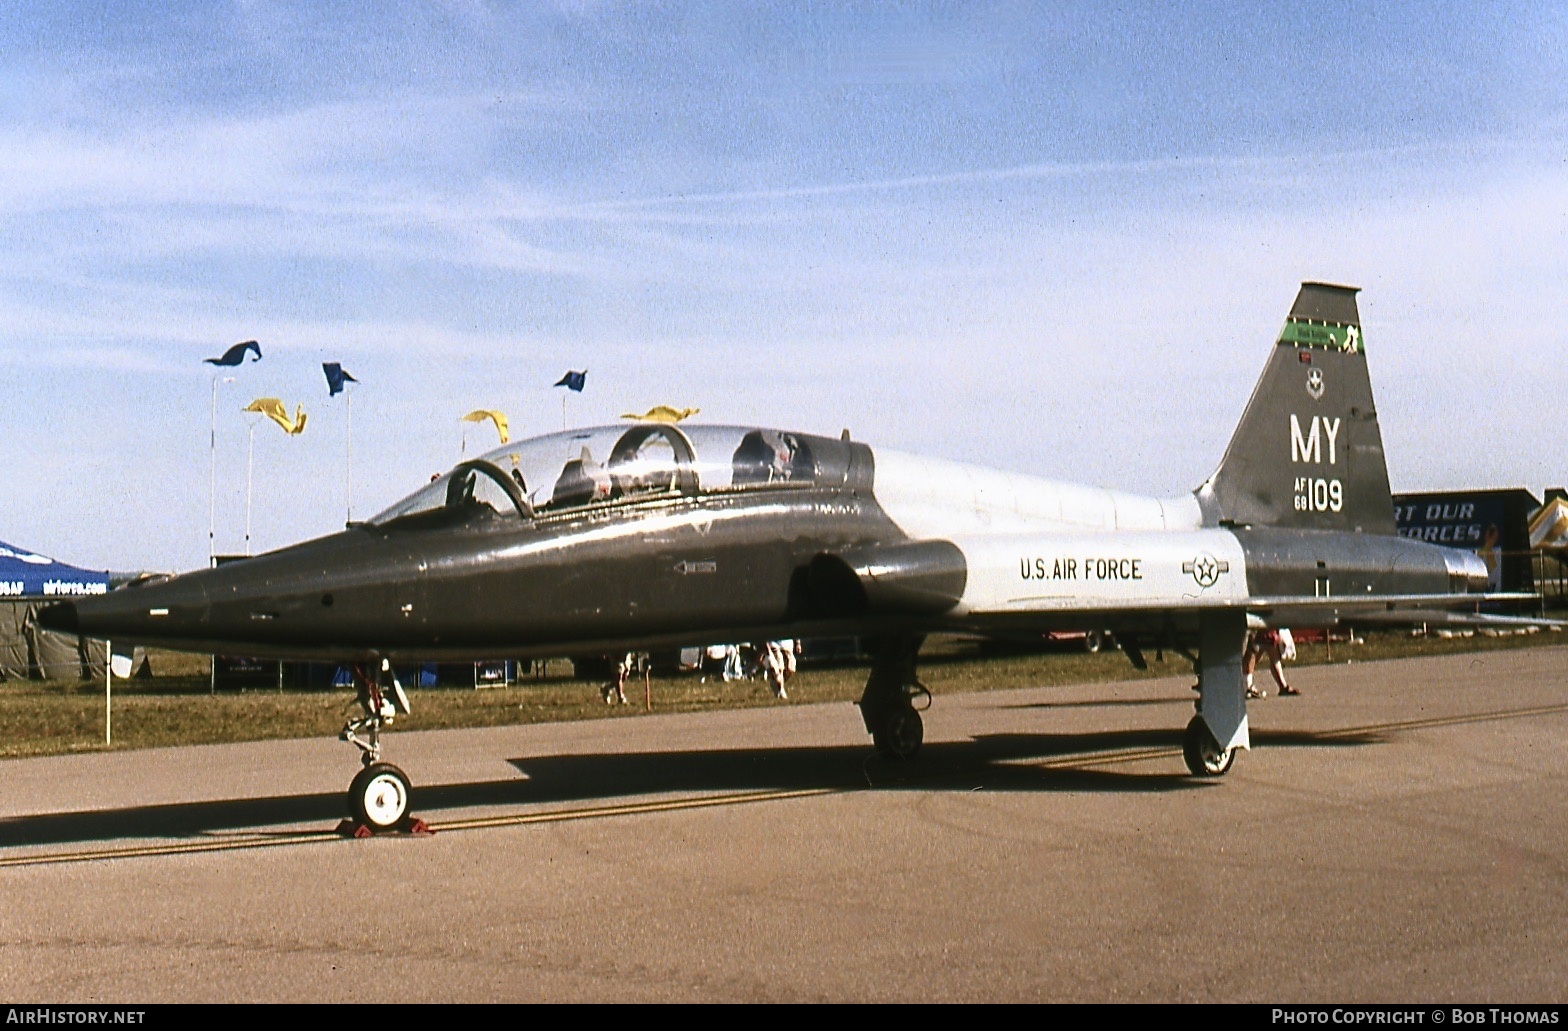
(28, 582)
(1549, 524)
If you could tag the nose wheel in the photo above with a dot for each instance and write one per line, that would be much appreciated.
(378, 797)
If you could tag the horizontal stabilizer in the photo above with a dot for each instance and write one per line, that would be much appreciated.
(1392, 610)
(1477, 620)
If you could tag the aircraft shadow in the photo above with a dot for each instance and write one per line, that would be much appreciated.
(1309, 739)
(1095, 703)
(998, 762)
(994, 762)
(174, 820)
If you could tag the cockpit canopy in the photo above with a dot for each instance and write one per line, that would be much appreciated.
(578, 469)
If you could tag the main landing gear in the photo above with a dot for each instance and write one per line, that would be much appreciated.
(1204, 756)
(894, 698)
(1220, 726)
(379, 795)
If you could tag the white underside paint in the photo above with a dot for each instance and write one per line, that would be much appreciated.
(1068, 571)
(1035, 545)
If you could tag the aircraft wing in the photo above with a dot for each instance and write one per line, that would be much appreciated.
(1438, 617)
(1396, 610)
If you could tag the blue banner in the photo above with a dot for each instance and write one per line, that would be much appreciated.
(26, 575)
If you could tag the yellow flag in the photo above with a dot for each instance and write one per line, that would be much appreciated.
(662, 413)
(273, 409)
(499, 418)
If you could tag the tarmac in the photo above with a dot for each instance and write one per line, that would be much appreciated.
(1396, 834)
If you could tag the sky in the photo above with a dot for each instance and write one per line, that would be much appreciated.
(1055, 238)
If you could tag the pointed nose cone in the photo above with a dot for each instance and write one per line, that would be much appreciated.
(59, 617)
(344, 595)
(149, 613)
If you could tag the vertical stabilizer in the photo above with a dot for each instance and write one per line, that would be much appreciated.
(1308, 453)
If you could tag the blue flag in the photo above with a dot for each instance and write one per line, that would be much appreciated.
(236, 354)
(336, 377)
(573, 380)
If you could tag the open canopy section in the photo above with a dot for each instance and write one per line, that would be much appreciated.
(24, 574)
(567, 472)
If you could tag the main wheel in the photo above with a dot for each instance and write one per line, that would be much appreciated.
(1205, 757)
(901, 733)
(378, 797)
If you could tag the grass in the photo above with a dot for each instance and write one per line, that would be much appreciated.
(177, 707)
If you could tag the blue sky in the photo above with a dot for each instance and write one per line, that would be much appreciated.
(1057, 238)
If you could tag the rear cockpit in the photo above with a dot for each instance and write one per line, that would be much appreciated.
(567, 473)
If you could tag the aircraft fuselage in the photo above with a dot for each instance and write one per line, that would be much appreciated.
(860, 542)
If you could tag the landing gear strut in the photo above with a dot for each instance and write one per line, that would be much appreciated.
(379, 795)
(894, 697)
(1220, 727)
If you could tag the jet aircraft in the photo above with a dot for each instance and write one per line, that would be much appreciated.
(610, 539)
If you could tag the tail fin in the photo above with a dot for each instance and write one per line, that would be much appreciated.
(1308, 453)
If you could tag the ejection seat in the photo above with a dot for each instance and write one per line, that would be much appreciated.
(653, 458)
(769, 456)
(582, 481)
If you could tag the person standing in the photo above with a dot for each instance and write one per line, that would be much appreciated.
(734, 667)
(615, 690)
(775, 667)
(1491, 552)
(1271, 644)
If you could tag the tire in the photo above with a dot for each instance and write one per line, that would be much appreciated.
(901, 734)
(1093, 641)
(1204, 756)
(379, 797)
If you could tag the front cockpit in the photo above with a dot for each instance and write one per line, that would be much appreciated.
(563, 474)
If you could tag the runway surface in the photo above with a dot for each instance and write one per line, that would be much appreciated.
(1396, 834)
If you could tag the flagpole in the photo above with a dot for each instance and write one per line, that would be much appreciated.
(108, 694)
(348, 456)
(250, 466)
(573, 382)
(212, 476)
(212, 473)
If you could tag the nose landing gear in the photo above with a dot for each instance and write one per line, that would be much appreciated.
(378, 797)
